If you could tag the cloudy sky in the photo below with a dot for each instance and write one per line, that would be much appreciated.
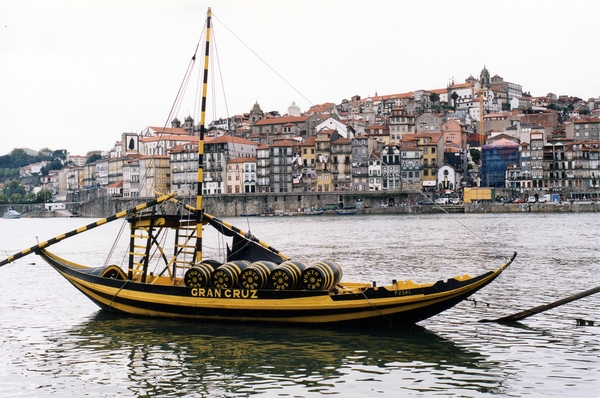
(76, 74)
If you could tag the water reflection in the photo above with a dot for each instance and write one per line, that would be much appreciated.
(166, 357)
(50, 347)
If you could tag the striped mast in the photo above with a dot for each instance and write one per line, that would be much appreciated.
(200, 178)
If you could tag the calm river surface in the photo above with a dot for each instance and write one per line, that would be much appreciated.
(54, 341)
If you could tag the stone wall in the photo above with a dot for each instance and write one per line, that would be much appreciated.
(92, 204)
(96, 204)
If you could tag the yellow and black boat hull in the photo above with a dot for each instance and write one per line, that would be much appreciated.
(359, 304)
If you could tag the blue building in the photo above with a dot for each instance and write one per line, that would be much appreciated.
(495, 159)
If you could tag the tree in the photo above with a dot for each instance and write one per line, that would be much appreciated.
(60, 154)
(434, 98)
(93, 158)
(16, 198)
(55, 165)
(14, 187)
(3, 198)
(45, 154)
(454, 97)
(475, 155)
(31, 197)
(44, 196)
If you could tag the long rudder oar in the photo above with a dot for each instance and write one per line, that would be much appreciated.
(74, 232)
(536, 310)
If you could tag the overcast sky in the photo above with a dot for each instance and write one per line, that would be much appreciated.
(76, 74)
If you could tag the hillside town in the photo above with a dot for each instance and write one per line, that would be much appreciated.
(483, 132)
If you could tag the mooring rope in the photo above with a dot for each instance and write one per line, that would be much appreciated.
(375, 308)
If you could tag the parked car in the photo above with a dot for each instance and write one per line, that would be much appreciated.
(518, 200)
(427, 202)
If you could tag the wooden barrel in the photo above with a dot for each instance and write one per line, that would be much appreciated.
(322, 275)
(198, 275)
(256, 276)
(287, 275)
(226, 276)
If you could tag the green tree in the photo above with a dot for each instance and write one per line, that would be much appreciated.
(16, 198)
(60, 154)
(475, 155)
(454, 97)
(56, 164)
(44, 196)
(3, 198)
(14, 187)
(45, 154)
(434, 98)
(93, 158)
(31, 197)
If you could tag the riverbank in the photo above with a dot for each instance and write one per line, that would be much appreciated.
(475, 208)
(104, 207)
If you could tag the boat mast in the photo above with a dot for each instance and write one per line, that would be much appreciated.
(200, 179)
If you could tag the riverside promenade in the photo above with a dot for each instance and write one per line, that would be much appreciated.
(105, 206)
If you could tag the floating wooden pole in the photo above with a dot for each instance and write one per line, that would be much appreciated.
(56, 239)
(536, 310)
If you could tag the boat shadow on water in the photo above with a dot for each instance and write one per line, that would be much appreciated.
(246, 349)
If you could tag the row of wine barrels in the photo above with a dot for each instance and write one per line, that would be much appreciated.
(289, 275)
(322, 275)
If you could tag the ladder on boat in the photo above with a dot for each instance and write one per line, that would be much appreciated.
(147, 239)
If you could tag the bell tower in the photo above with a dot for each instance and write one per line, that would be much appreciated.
(484, 77)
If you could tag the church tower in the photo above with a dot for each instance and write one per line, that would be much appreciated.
(294, 110)
(484, 77)
(369, 112)
(188, 125)
(256, 114)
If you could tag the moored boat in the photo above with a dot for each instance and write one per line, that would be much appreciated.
(252, 282)
(313, 212)
(12, 214)
(346, 211)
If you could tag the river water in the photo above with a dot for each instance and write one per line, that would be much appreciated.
(55, 341)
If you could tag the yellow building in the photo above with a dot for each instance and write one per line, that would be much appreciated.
(235, 175)
(308, 155)
(432, 157)
(322, 160)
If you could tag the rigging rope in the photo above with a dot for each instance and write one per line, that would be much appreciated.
(263, 61)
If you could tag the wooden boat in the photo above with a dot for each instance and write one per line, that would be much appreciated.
(12, 214)
(256, 283)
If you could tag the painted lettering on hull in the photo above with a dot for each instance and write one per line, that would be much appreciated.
(224, 293)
